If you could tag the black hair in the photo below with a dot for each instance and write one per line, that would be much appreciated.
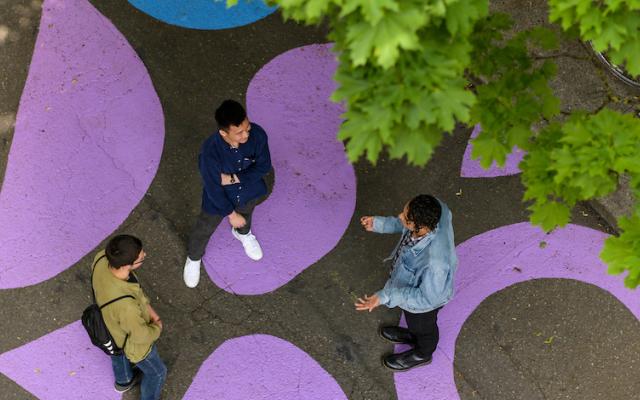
(424, 210)
(123, 250)
(230, 113)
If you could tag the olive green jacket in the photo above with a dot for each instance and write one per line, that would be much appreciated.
(125, 316)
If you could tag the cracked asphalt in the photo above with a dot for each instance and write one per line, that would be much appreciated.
(541, 339)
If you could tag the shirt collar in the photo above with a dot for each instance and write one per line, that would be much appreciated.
(424, 241)
(222, 143)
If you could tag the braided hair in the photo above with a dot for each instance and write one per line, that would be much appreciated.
(424, 211)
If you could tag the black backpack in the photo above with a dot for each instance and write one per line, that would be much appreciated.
(96, 328)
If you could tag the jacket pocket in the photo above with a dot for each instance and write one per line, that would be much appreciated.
(408, 273)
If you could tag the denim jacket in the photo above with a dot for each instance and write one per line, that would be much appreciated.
(422, 277)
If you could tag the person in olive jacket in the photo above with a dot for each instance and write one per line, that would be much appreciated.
(132, 322)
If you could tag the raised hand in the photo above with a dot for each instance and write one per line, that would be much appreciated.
(367, 223)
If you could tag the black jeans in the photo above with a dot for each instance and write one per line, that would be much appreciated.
(424, 326)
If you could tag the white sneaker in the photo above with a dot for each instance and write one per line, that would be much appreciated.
(250, 244)
(191, 272)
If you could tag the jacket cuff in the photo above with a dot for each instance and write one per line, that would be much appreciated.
(156, 331)
(382, 296)
(378, 224)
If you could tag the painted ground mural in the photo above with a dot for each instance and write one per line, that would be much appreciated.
(70, 368)
(205, 14)
(279, 370)
(313, 177)
(515, 256)
(500, 258)
(87, 144)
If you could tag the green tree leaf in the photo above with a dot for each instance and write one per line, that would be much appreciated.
(372, 10)
(549, 215)
(403, 74)
(384, 40)
(612, 26)
(622, 253)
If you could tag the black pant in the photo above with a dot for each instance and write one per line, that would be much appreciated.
(424, 326)
(207, 223)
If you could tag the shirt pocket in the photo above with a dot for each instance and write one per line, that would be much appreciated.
(246, 162)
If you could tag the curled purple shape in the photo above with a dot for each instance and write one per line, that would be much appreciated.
(487, 265)
(61, 365)
(471, 168)
(262, 367)
(87, 143)
(313, 199)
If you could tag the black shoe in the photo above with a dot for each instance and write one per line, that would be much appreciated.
(137, 375)
(396, 334)
(405, 361)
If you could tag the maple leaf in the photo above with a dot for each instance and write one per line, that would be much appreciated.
(461, 15)
(384, 40)
(629, 54)
(372, 10)
(549, 215)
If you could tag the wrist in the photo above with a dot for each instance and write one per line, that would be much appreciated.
(382, 297)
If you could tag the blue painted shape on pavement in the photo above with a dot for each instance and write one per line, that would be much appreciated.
(204, 14)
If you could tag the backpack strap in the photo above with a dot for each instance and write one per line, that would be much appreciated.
(113, 301)
(93, 292)
(93, 268)
(116, 299)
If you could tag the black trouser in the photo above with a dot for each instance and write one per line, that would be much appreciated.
(424, 326)
(207, 223)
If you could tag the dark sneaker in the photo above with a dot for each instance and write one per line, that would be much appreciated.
(134, 381)
(405, 361)
(396, 334)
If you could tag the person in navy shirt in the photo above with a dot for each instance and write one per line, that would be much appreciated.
(233, 163)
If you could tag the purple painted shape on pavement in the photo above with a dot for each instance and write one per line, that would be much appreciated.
(315, 190)
(471, 168)
(87, 143)
(61, 365)
(486, 266)
(262, 367)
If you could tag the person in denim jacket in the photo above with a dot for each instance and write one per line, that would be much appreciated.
(423, 264)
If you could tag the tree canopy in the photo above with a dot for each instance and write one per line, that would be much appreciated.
(411, 70)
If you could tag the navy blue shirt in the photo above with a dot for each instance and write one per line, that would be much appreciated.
(249, 162)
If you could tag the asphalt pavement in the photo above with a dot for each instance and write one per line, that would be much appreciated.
(539, 339)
